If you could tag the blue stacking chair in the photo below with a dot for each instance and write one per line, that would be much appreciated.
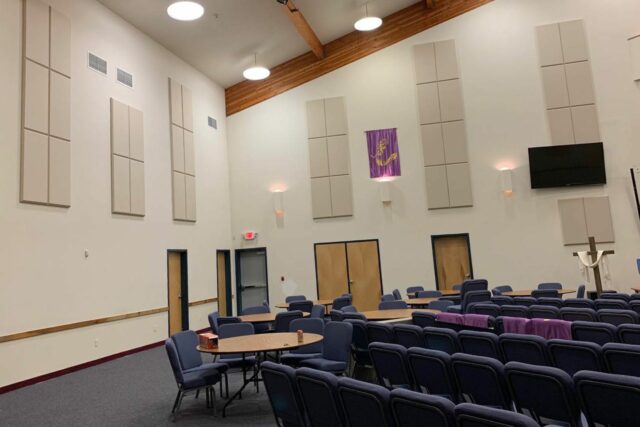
(317, 312)
(284, 395)
(213, 324)
(387, 297)
(292, 298)
(553, 302)
(440, 304)
(489, 309)
(623, 359)
(480, 343)
(572, 314)
(499, 290)
(354, 316)
(530, 349)
(189, 371)
(615, 295)
(575, 356)
(481, 380)
(618, 317)
(616, 304)
(581, 291)
(544, 312)
(379, 332)
(544, 293)
(546, 393)
(359, 345)
(235, 360)
(470, 415)
(319, 395)
(629, 334)
(396, 294)
(468, 299)
(412, 290)
(502, 300)
(408, 335)
(514, 311)
(412, 409)
(525, 301)
(457, 287)
(441, 339)
(599, 333)
(579, 303)
(608, 399)
(259, 328)
(550, 285)
(423, 318)
(284, 319)
(468, 286)
(429, 294)
(336, 349)
(336, 316)
(392, 305)
(365, 404)
(349, 309)
(390, 363)
(341, 301)
(431, 372)
(225, 320)
(312, 326)
(635, 305)
(304, 306)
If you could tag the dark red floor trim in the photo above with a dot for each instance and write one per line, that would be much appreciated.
(61, 372)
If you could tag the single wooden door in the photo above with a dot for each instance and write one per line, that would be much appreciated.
(223, 308)
(452, 260)
(331, 270)
(365, 280)
(174, 262)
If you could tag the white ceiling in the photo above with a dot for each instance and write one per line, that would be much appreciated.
(221, 43)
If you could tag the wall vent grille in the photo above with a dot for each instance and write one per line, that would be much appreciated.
(212, 122)
(125, 78)
(97, 64)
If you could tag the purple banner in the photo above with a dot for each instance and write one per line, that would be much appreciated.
(384, 155)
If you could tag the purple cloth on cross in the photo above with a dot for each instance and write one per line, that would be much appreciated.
(450, 318)
(476, 320)
(550, 328)
(515, 325)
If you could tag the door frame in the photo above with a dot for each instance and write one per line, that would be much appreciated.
(239, 252)
(227, 274)
(345, 242)
(184, 289)
(435, 237)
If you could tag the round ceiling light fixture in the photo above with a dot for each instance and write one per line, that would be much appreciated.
(368, 23)
(185, 10)
(257, 72)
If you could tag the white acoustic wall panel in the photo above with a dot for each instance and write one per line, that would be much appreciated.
(46, 106)
(35, 168)
(60, 43)
(36, 97)
(634, 51)
(60, 106)
(572, 217)
(425, 63)
(59, 172)
(127, 150)
(329, 159)
(584, 217)
(183, 151)
(120, 185)
(598, 219)
(36, 31)
(568, 83)
(443, 133)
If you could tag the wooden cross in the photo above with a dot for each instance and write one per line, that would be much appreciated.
(594, 256)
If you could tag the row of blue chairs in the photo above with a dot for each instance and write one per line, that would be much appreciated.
(613, 316)
(600, 303)
(543, 392)
(306, 397)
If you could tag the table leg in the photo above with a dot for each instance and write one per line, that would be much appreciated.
(246, 382)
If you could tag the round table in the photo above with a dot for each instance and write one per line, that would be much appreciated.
(261, 343)
(401, 313)
(419, 301)
(527, 292)
(444, 292)
(325, 302)
(262, 317)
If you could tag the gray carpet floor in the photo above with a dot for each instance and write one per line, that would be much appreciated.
(136, 390)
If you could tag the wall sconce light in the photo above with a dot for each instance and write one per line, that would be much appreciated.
(278, 203)
(385, 188)
(507, 182)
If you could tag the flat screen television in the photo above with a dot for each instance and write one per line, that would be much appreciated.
(565, 165)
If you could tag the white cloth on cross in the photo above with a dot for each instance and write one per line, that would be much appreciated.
(585, 264)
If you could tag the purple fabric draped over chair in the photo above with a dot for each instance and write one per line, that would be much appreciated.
(476, 320)
(454, 318)
(515, 325)
(550, 328)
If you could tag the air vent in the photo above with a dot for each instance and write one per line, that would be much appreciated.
(97, 64)
(125, 78)
(213, 123)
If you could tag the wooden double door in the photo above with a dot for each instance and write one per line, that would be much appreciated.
(349, 267)
(451, 259)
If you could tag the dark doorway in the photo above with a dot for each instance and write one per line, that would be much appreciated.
(252, 280)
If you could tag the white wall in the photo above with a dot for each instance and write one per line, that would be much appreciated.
(44, 278)
(514, 241)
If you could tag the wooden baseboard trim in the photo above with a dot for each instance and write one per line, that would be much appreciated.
(204, 301)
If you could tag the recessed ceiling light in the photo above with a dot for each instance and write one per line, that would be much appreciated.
(185, 10)
(257, 72)
(367, 23)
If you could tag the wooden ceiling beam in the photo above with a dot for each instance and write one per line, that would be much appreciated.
(345, 50)
(430, 3)
(304, 29)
